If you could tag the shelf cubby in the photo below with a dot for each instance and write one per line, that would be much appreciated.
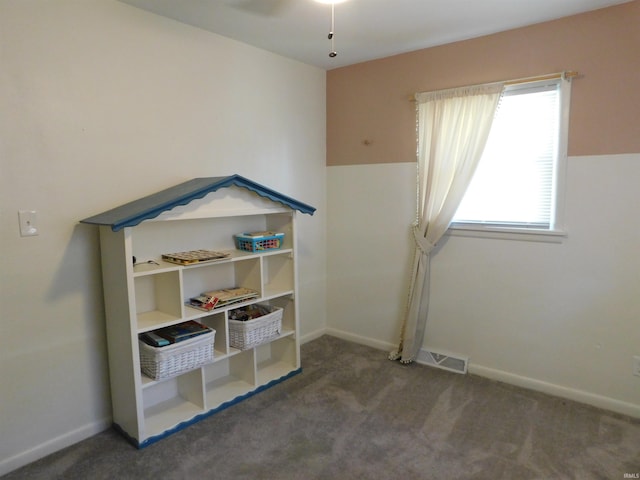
(287, 303)
(218, 322)
(241, 272)
(158, 299)
(281, 224)
(169, 402)
(230, 378)
(278, 274)
(276, 359)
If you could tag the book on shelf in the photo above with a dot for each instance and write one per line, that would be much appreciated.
(182, 331)
(192, 257)
(229, 296)
(151, 338)
(203, 302)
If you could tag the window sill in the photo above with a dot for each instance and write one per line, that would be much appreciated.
(503, 233)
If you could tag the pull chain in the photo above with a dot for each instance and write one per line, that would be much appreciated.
(333, 52)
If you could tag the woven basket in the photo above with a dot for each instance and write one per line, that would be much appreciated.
(248, 334)
(160, 363)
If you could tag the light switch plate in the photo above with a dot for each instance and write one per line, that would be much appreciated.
(28, 225)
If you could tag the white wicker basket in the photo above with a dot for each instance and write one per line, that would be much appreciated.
(247, 334)
(160, 363)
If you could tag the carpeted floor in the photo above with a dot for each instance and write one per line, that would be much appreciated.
(352, 414)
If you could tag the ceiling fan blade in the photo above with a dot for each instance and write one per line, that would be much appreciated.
(264, 7)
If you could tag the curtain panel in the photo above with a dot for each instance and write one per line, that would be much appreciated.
(453, 127)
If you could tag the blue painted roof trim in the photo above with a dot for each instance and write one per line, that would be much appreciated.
(132, 213)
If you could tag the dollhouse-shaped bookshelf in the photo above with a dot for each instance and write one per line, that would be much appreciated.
(203, 213)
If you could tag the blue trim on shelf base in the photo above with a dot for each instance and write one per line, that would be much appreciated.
(202, 416)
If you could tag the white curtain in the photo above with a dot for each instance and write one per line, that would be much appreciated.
(453, 126)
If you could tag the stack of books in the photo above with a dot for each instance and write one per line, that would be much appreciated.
(221, 298)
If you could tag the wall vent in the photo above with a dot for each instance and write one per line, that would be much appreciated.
(452, 363)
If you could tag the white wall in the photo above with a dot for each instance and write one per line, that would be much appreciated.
(103, 103)
(562, 318)
(370, 209)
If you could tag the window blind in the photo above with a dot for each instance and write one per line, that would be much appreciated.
(514, 181)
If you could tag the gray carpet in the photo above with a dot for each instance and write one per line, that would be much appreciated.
(352, 414)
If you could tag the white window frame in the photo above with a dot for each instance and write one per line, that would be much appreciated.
(557, 231)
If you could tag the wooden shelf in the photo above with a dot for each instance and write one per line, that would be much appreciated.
(148, 296)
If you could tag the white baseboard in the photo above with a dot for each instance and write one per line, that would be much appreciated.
(51, 446)
(600, 401)
(312, 336)
(370, 342)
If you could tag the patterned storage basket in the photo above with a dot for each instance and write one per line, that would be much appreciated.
(249, 333)
(160, 363)
(252, 243)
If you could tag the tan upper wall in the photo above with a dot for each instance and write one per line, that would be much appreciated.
(370, 120)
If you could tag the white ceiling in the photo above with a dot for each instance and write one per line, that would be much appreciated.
(364, 29)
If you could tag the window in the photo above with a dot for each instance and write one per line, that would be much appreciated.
(517, 186)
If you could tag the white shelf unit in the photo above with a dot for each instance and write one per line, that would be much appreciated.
(149, 296)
